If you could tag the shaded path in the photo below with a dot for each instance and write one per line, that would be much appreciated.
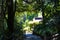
(31, 37)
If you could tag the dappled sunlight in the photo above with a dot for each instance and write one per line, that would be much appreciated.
(29, 19)
(24, 18)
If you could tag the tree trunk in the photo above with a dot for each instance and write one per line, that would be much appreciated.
(42, 6)
(10, 20)
(1, 19)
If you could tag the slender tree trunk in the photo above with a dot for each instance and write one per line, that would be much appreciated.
(42, 6)
(10, 20)
(1, 19)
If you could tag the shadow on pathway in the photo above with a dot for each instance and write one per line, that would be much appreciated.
(31, 37)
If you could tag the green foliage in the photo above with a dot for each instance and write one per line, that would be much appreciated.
(23, 18)
(23, 6)
(49, 19)
(5, 24)
(25, 12)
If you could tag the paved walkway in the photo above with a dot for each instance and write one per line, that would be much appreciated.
(32, 37)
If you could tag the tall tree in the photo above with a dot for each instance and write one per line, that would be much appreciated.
(10, 20)
(1, 18)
